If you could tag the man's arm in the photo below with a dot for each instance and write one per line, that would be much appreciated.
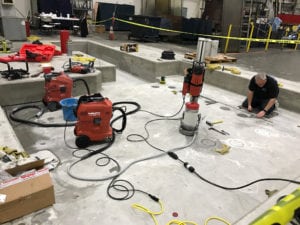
(270, 103)
(250, 98)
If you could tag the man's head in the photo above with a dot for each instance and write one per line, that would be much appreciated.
(261, 79)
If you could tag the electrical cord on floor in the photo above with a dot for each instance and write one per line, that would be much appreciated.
(122, 185)
(85, 84)
(150, 212)
(193, 170)
(216, 218)
(158, 115)
(142, 138)
(13, 117)
(130, 164)
(172, 222)
(180, 222)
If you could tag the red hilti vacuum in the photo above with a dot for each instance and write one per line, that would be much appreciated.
(192, 85)
(58, 86)
(94, 114)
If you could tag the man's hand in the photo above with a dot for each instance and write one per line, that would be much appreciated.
(261, 114)
(249, 108)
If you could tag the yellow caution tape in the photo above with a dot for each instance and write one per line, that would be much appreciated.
(98, 22)
(281, 41)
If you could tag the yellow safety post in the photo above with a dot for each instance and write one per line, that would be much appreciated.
(268, 38)
(227, 39)
(296, 45)
(287, 30)
(250, 36)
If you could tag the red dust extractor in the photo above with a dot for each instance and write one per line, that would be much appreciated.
(93, 113)
(192, 85)
(58, 86)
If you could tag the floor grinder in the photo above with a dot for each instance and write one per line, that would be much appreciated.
(192, 85)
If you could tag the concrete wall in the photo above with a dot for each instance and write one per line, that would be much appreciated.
(193, 6)
(231, 15)
(20, 9)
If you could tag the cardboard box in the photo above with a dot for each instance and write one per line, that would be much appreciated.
(26, 193)
(99, 28)
(129, 47)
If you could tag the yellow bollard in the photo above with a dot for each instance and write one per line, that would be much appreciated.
(268, 38)
(227, 39)
(296, 45)
(250, 36)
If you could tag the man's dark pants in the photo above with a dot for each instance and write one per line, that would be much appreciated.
(259, 104)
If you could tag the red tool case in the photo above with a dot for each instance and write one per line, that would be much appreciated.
(32, 53)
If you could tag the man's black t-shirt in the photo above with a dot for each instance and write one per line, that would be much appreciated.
(269, 90)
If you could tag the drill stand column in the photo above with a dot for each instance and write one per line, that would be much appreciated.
(192, 84)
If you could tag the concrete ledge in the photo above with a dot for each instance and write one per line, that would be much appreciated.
(32, 89)
(8, 136)
(289, 96)
(108, 70)
(148, 65)
(141, 64)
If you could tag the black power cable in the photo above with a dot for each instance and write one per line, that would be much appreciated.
(13, 117)
(85, 84)
(191, 169)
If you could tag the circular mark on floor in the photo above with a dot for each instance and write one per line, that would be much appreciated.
(266, 132)
(242, 115)
(175, 214)
(208, 142)
(50, 118)
(42, 143)
(262, 132)
(225, 108)
(155, 86)
(171, 87)
(236, 143)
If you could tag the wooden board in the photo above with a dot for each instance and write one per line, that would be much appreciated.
(190, 55)
(220, 58)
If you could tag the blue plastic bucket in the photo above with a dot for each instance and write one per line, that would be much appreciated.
(69, 106)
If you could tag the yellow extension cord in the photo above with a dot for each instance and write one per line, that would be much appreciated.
(151, 213)
(173, 222)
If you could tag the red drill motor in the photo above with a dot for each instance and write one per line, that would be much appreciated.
(58, 86)
(78, 67)
(94, 113)
(192, 85)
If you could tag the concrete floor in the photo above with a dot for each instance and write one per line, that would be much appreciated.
(259, 148)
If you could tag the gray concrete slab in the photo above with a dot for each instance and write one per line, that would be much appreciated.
(258, 150)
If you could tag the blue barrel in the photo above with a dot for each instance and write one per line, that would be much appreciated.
(69, 106)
